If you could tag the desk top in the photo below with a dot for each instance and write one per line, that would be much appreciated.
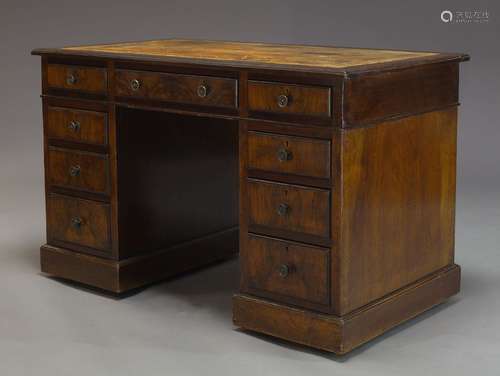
(257, 55)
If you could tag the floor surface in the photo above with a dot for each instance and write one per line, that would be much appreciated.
(183, 326)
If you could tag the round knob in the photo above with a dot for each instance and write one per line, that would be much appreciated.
(284, 270)
(135, 84)
(74, 125)
(71, 79)
(202, 91)
(283, 209)
(282, 100)
(74, 170)
(284, 155)
(76, 222)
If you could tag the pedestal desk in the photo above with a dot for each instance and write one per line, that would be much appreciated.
(331, 170)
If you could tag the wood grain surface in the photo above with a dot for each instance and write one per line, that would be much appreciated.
(78, 170)
(346, 157)
(306, 273)
(220, 92)
(94, 227)
(301, 99)
(89, 127)
(86, 79)
(398, 204)
(306, 210)
(342, 334)
(289, 155)
(372, 98)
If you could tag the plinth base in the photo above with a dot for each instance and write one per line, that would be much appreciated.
(342, 334)
(121, 276)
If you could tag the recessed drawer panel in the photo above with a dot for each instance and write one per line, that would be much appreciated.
(170, 87)
(82, 222)
(73, 77)
(290, 99)
(287, 268)
(290, 155)
(289, 207)
(78, 170)
(67, 124)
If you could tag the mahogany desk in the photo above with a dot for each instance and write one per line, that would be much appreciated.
(341, 162)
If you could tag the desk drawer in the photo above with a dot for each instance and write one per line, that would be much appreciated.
(288, 269)
(170, 87)
(88, 127)
(78, 78)
(78, 170)
(289, 155)
(290, 99)
(82, 222)
(289, 207)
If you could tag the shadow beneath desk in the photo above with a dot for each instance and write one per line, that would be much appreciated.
(205, 286)
(212, 287)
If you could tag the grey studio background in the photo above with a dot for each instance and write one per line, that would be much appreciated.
(183, 327)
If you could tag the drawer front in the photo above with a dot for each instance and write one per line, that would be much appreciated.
(291, 99)
(289, 155)
(78, 170)
(73, 77)
(82, 222)
(289, 269)
(170, 87)
(87, 127)
(289, 207)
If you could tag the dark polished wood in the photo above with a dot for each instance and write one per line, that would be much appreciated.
(334, 169)
(294, 99)
(77, 221)
(287, 269)
(398, 207)
(78, 78)
(289, 155)
(203, 90)
(88, 127)
(165, 158)
(343, 334)
(123, 276)
(295, 208)
(78, 170)
(377, 97)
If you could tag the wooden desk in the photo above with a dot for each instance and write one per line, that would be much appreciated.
(342, 160)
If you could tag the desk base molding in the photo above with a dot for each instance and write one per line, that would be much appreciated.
(342, 334)
(118, 277)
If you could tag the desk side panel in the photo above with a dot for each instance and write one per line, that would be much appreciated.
(398, 204)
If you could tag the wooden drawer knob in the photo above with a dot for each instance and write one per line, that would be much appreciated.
(283, 209)
(76, 222)
(284, 270)
(74, 125)
(74, 170)
(283, 100)
(284, 155)
(71, 79)
(202, 91)
(135, 84)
